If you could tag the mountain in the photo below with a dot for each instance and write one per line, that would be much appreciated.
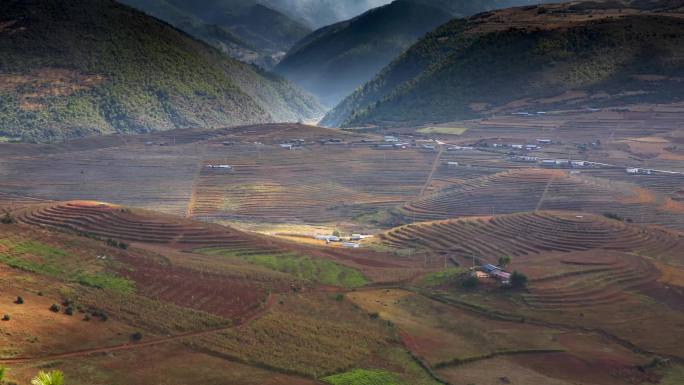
(220, 37)
(530, 58)
(246, 30)
(87, 67)
(320, 13)
(333, 61)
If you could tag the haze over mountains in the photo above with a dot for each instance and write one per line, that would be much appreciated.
(88, 67)
(575, 55)
(333, 61)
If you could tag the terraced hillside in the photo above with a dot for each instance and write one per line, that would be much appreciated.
(545, 189)
(532, 233)
(120, 223)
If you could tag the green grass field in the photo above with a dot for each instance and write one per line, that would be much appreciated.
(441, 277)
(315, 270)
(40, 258)
(363, 377)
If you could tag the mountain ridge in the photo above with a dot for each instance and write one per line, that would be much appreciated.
(539, 57)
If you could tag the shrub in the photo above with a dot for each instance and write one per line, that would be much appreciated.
(339, 297)
(504, 261)
(86, 317)
(373, 315)
(19, 300)
(518, 280)
(69, 311)
(470, 282)
(6, 317)
(614, 216)
(137, 336)
(7, 218)
(54, 308)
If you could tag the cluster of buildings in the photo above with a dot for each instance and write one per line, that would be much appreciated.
(491, 271)
(565, 163)
(639, 171)
(220, 167)
(349, 242)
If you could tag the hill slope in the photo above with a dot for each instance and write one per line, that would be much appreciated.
(89, 67)
(334, 60)
(551, 56)
(219, 37)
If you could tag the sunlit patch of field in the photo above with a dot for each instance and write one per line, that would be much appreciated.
(443, 130)
(363, 377)
(671, 275)
(32, 329)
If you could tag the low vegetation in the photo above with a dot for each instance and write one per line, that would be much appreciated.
(315, 270)
(363, 377)
(40, 258)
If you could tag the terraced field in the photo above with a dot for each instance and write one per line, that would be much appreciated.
(135, 225)
(542, 189)
(531, 233)
(279, 185)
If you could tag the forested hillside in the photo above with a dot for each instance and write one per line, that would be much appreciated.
(87, 67)
(581, 54)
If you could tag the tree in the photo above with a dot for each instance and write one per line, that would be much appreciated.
(518, 280)
(470, 282)
(54, 377)
(19, 301)
(7, 218)
(504, 261)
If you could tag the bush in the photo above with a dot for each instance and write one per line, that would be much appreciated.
(470, 282)
(6, 317)
(7, 218)
(614, 216)
(137, 336)
(19, 301)
(339, 297)
(54, 308)
(374, 315)
(118, 244)
(518, 280)
(69, 311)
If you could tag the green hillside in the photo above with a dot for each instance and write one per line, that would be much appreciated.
(218, 36)
(88, 67)
(572, 55)
(334, 60)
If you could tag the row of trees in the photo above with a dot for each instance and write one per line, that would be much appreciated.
(54, 377)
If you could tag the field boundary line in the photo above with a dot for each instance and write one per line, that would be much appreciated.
(435, 165)
(546, 190)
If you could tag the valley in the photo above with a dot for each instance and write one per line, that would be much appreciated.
(316, 192)
(214, 259)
